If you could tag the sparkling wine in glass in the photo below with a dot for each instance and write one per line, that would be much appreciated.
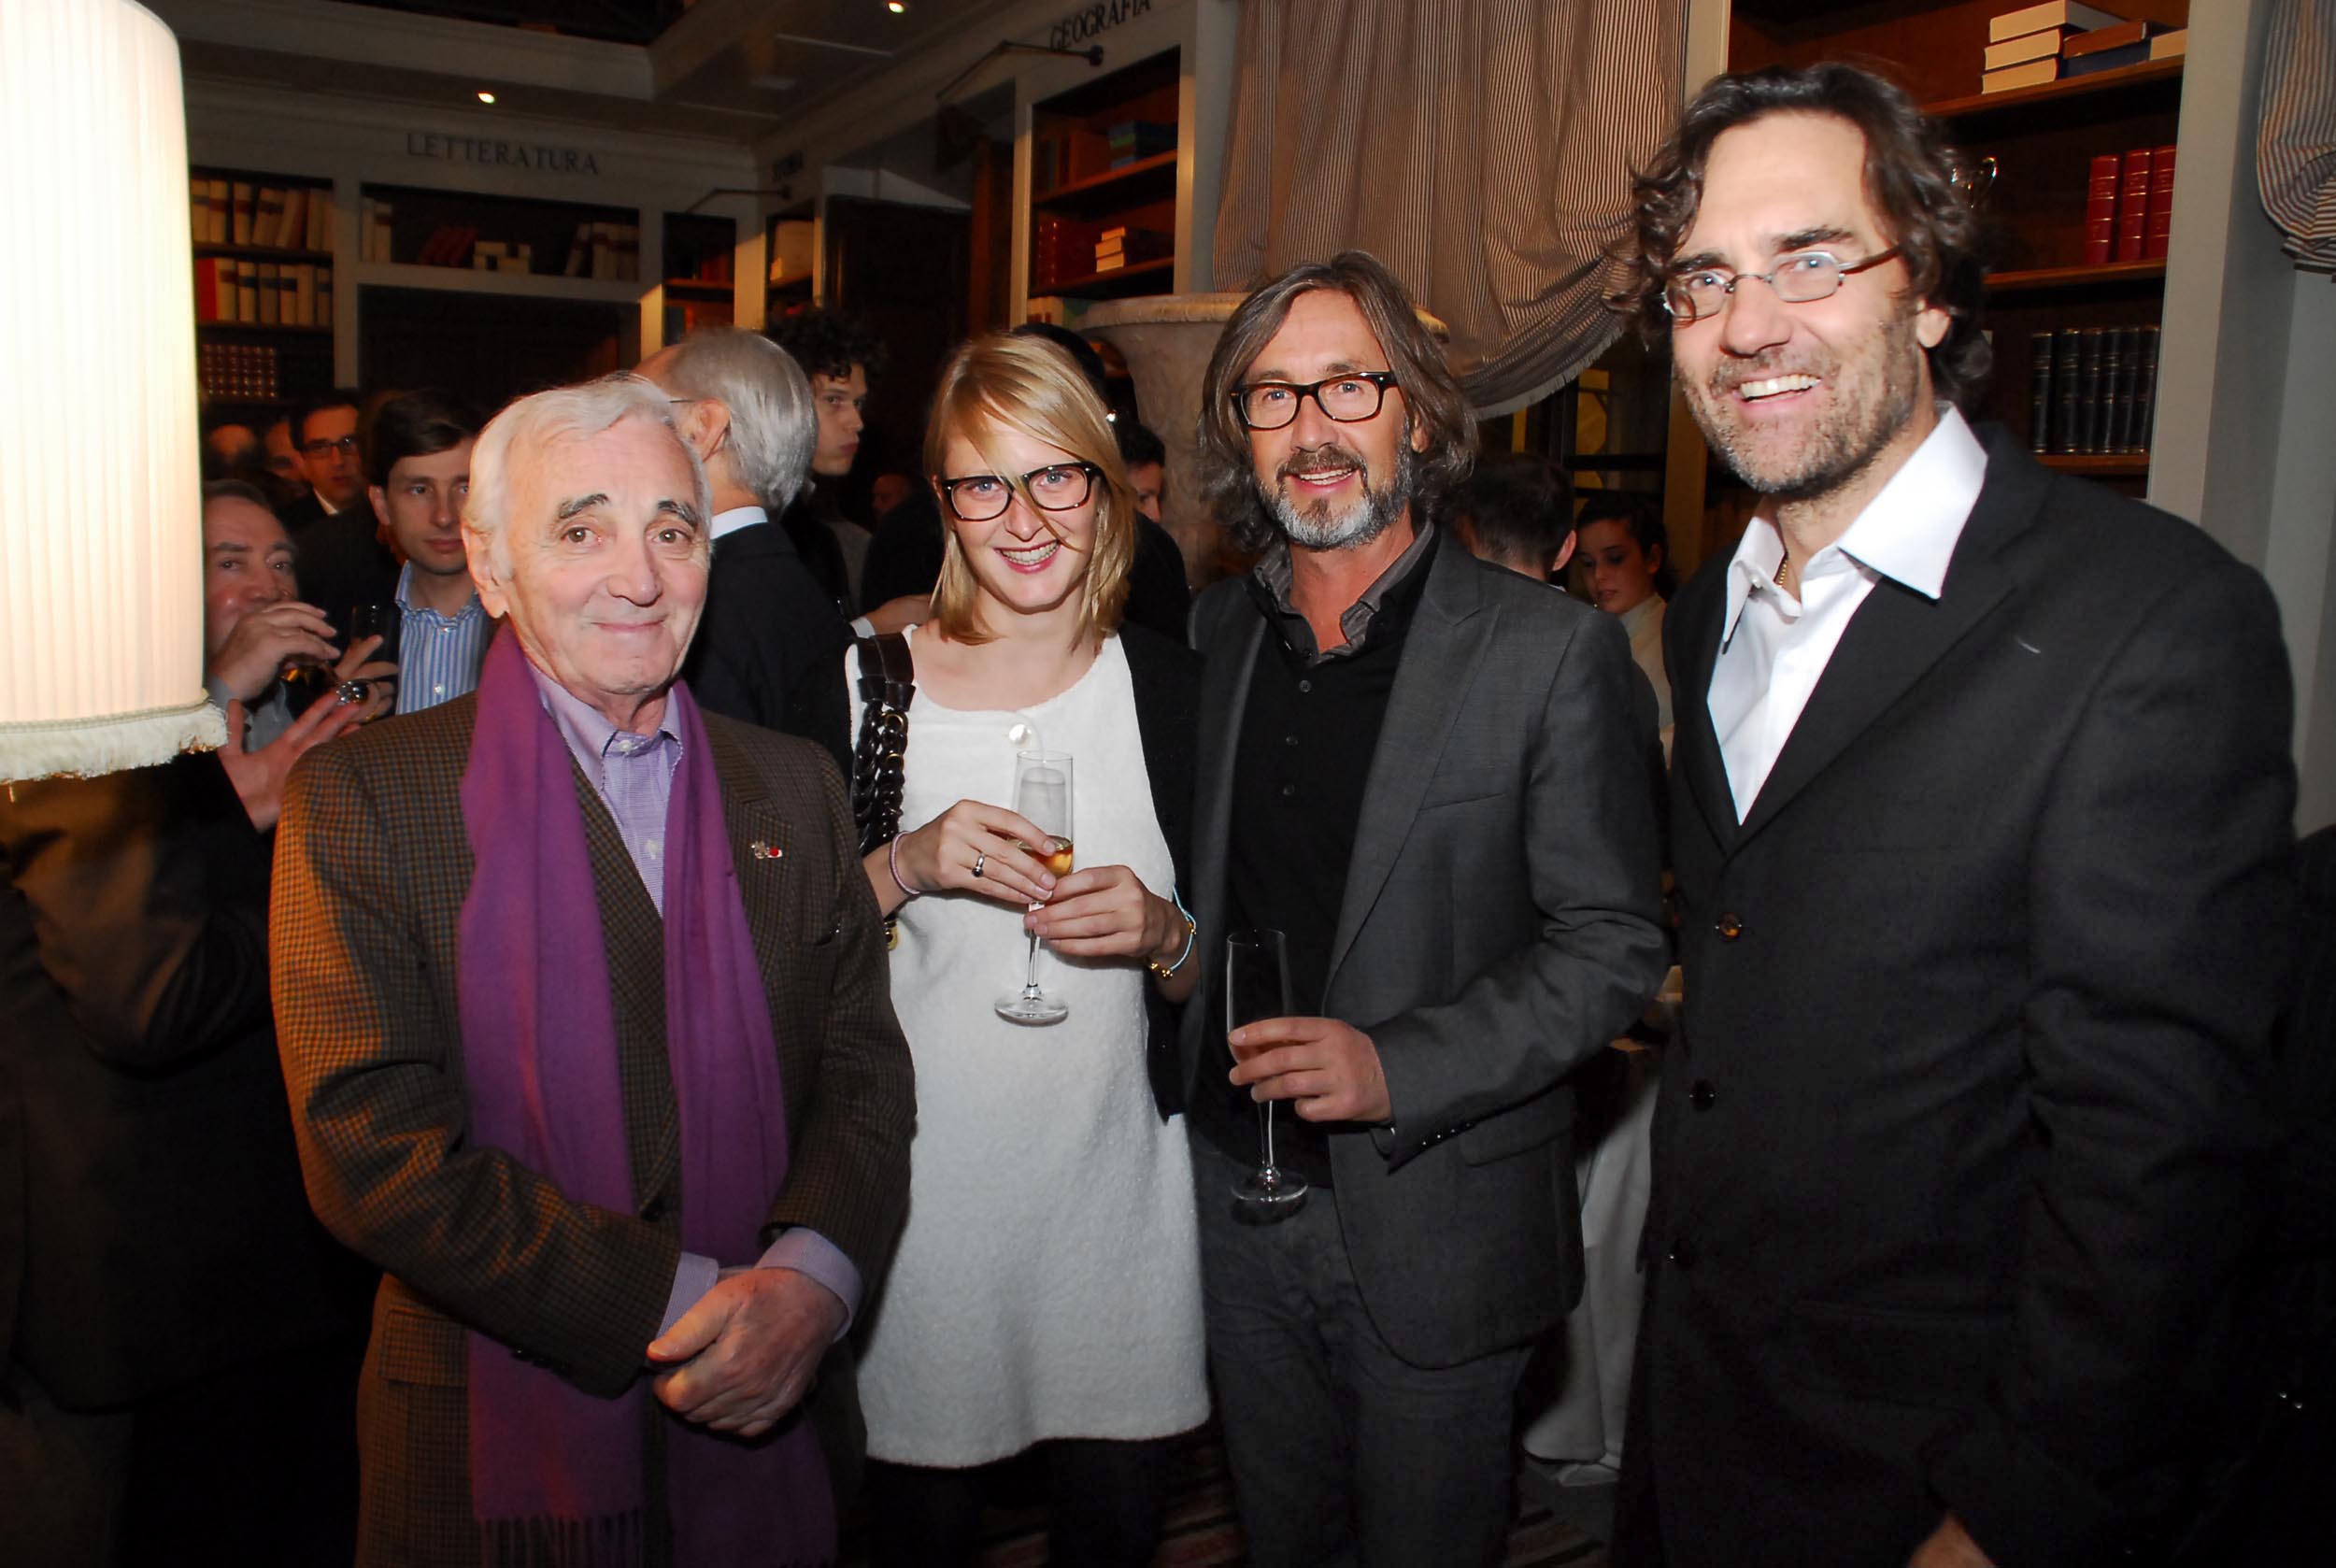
(1257, 986)
(1042, 794)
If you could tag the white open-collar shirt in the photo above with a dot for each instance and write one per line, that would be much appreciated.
(1774, 647)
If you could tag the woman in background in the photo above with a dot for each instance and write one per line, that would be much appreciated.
(1624, 559)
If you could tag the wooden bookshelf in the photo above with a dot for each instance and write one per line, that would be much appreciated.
(257, 364)
(441, 231)
(2042, 139)
(1084, 186)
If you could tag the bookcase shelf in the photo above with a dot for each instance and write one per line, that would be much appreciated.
(265, 329)
(1977, 107)
(2111, 466)
(1083, 191)
(475, 280)
(1146, 179)
(264, 252)
(2041, 140)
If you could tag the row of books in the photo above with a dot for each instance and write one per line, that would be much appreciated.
(602, 248)
(283, 217)
(263, 293)
(2129, 205)
(2051, 42)
(1060, 249)
(255, 372)
(610, 251)
(2092, 390)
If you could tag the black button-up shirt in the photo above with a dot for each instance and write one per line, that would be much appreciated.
(1308, 731)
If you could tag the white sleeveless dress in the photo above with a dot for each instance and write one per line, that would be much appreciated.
(1047, 1284)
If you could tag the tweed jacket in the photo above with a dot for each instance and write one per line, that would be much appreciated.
(371, 866)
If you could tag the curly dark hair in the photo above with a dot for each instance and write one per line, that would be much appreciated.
(1432, 398)
(828, 342)
(1907, 177)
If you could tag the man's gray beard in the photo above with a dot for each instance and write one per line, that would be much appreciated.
(1845, 446)
(1313, 528)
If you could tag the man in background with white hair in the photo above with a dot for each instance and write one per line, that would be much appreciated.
(585, 1018)
(772, 637)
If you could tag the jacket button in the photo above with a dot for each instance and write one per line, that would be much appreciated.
(1682, 1254)
(1729, 927)
(1700, 1094)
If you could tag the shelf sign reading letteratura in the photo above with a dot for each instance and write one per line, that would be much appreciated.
(1088, 20)
(502, 154)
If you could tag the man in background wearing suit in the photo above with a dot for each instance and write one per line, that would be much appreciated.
(344, 559)
(1980, 815)
(1424, 770)
(590, 1045)
(767, 650)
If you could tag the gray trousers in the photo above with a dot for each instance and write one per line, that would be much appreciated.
(1343, 1454)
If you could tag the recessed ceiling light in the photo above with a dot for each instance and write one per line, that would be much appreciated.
(485, 97)
(898, 8)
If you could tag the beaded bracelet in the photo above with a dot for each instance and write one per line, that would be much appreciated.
(893, 859)
(1192, 934)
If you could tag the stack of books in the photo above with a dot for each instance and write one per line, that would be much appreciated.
(2092, 390)
(275, 216)
(2129, 205)
(2038, 44)
(1120, 246)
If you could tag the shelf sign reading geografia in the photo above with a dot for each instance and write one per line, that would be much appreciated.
(1088, 20)
(487, 152)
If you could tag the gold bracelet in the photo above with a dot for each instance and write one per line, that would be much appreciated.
(1192, 934)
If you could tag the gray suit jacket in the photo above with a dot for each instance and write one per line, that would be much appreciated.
(1499, 926)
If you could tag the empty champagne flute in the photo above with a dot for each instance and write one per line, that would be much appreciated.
(1042, 795)
(1257, 986)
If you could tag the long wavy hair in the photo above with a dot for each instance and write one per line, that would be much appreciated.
(1908, 179)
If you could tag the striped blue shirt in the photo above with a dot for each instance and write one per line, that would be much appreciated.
(438, 657)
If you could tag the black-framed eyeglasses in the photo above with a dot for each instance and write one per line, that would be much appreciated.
(1348, 399)
(326, 449)
(1059, 487)
(1802, 278)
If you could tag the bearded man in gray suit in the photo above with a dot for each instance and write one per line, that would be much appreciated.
(1427, 773)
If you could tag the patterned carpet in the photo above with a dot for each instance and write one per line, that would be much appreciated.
(1202, 1533)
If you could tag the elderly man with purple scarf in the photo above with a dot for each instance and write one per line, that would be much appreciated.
(585, 1018)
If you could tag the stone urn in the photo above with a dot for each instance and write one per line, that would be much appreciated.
(1166, 340)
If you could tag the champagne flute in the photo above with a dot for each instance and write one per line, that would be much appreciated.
(1042, 794)
(1257, 986)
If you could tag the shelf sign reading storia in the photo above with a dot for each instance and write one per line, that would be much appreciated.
(1089, 21)
(502, 154)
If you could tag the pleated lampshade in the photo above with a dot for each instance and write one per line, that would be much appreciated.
(101, 541)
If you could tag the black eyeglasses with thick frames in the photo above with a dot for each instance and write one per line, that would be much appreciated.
(321, 450)
(1802, 278)
(1349, 399)
(1059, 487)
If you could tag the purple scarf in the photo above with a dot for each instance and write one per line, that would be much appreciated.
(557, 1473)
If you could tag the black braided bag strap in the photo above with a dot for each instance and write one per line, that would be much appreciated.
(888, 684)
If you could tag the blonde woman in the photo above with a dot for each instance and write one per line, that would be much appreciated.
(1046, 1297)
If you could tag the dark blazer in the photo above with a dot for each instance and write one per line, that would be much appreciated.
(1499, 929)
(1166, 676)
(339, 558)
(151, 1225)
(1966, 1125)
(769, 641)
(372, 864)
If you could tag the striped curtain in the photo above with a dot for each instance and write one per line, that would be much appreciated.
(1481, 148)
(2294, 148)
